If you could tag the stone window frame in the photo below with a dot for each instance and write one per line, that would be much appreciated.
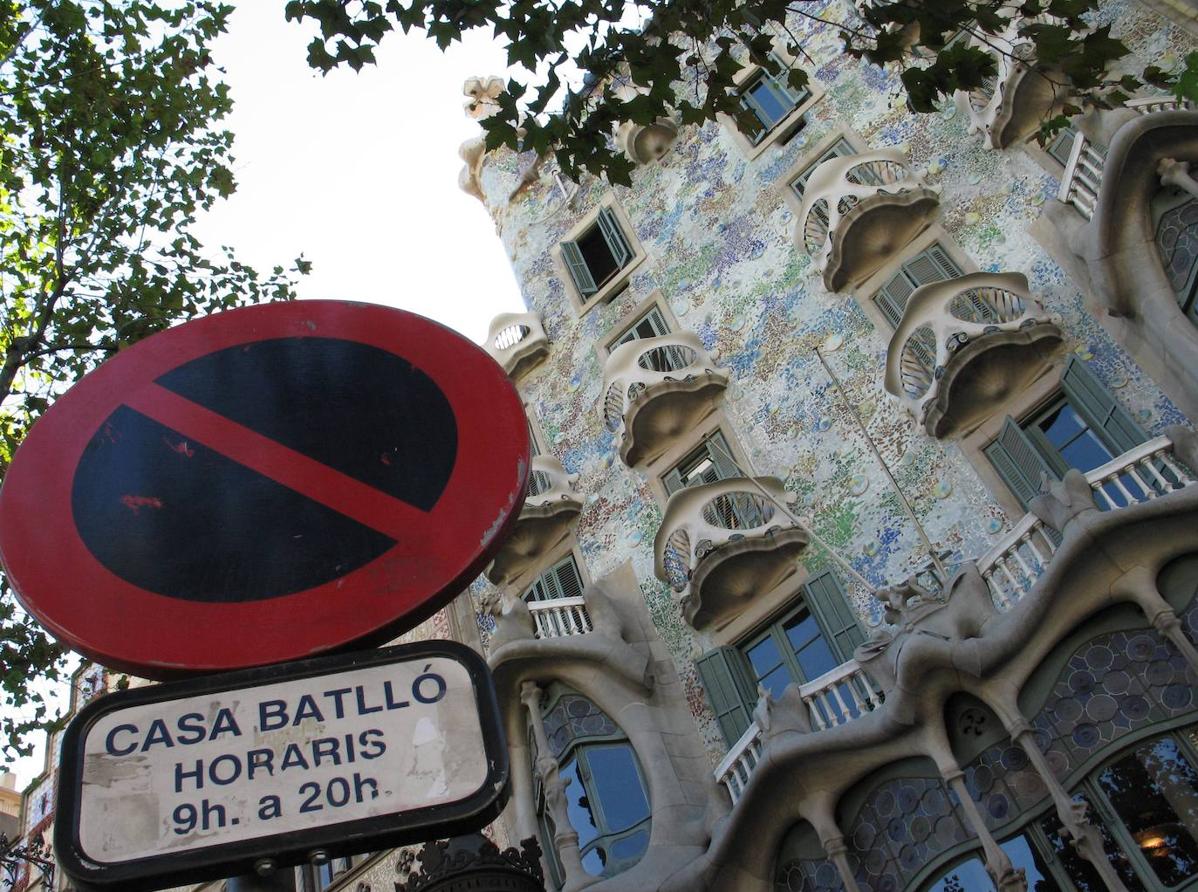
(584, 304)
(664, 463)
(865, 291)
(540, 443)
(808, 159)
(618, 328)
(785, 128)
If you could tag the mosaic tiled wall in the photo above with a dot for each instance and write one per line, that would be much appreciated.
(720, 245)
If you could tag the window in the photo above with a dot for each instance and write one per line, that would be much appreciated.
(595, 257)
(1176, 214)
(769, 101)
(839, 149)
(651, 325)
(607, 802)
(933, 264)
(534, 447)
(317, 878)
(1024, 854)
(1061, 145)
(709, 463)
(813, 638)
(1083, 428)
(562, 580)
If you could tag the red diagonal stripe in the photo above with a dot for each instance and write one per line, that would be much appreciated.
(294, 470)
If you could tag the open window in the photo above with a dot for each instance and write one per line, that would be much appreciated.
(772, 111)
(562, 580)
(599, 255)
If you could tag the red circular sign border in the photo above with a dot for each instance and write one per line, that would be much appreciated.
(162, 637)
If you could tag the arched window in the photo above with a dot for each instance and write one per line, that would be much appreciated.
(606, 796)
(1176, 216)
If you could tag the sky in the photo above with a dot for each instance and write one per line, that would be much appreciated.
(358, 172)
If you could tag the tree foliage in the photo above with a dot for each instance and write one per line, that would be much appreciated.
(644, 59)
(109, 113)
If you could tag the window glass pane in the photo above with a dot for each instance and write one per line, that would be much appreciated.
(764, 656)
(1080, 872)
(1154, 790)
(597, 255)
(618, 786)
(810, 649)
(593, 861)
(1025, 857)
(771, 105)
(630, 846)
(965, 877)
(1067, 432)
(578, 805)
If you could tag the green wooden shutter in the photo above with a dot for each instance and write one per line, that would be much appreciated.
(891, 299)
(931, 265)
(579, 271)
(534, 448)
(1102, 412)
(673, 481)
(730, 690)
(569, 580)
(827, 602)
(1018, 462)
(538, 591)
(721, 456)
(609, 226)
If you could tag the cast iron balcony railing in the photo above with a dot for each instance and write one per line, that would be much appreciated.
(963, 345)
(721, 543)
(657, 389)
(550, 508)
(517, 342)
(858, 210)
(1141, 475)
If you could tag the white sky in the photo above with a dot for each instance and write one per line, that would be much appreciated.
(359, 173)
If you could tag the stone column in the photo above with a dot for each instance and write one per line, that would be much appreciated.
(1177, 173)
(1140, 585)
(1080, 832)
(1004, 874)
(565, 838)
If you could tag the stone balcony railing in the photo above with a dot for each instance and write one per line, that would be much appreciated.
(835, 698)
(517, 342)
(1141, 475)
(858, 210)
(657, 389)
(963, 345)
(551, 507)
(721, 543)
(561, 617)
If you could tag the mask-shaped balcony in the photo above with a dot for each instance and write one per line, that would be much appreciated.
(1010, 106)
(517, 342)
(550, 509)
(657, 389)
(964, 345)
(645, 143)
(721, 543)
(858, 210)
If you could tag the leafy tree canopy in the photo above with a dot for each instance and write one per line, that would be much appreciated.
(686, 58)
(111, 146)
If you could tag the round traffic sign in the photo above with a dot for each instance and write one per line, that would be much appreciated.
(261, 485)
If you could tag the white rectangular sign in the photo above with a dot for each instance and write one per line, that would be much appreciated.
(255, 762)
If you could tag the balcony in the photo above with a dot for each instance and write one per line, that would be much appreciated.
(645, 143)
(1010, 106)
(657, 389)
(964, 345)
(835, 698)
(560, 618)
(723, 542)
(550, 509)
(1142, 475)
(858, 210)
(517, 342)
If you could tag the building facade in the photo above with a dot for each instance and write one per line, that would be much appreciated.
(861, 546)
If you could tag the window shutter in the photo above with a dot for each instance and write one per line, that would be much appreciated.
(657, 323)
(673, 481)
(729, 690)
(721, 457)
(826, 600)
(616, 243)
(537, 591)
(1100, 409)
(891, 299)
(569, 580)
(931, 265)
(579, 271)
(533, 448)
(1018, 462)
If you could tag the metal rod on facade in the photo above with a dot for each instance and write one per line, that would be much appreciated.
(798, 521)
(885, 467)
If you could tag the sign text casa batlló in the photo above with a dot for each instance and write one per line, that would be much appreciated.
(298, 758)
